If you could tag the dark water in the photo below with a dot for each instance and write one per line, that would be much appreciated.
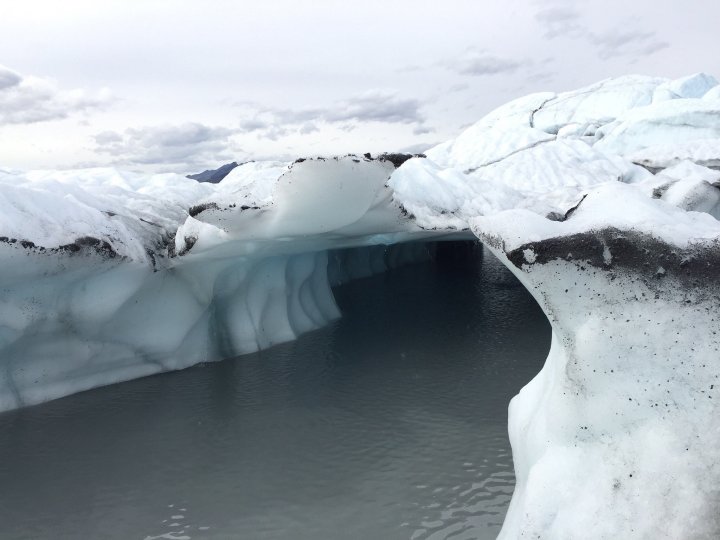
(391, 423)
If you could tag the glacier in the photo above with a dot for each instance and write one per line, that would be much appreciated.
(109, 276)
(604, 201)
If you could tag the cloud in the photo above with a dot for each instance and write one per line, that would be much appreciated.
(541, 77)
(307, 128)
(482, 63)
(560, 21)
(27, 99)
(381, 106)
(372, 106)
(191, 145)
(459, 87)
(412, 68)
(8, 78)
(182, 146)
(418, 148)
(108, 138)
(479, 63)
(627, 43)
(566, 22)
(423, 130)
(376, 106)
(253, 124)
(275, 132)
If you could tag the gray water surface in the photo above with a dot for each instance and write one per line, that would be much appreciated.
(391, 423)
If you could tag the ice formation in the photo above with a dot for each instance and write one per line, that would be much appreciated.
(604, 201)
(109, 276)
(617, 436)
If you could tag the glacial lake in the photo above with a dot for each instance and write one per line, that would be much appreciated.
(391, 423)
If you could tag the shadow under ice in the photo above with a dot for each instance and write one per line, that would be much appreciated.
(389, 423)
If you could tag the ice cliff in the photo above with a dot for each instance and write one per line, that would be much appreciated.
(108, 276)
(604, 201)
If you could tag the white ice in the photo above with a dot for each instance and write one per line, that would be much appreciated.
(107, 275)
(617, 436)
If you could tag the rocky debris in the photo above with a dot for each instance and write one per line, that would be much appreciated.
(194, 211)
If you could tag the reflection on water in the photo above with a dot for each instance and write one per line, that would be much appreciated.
(390, 423)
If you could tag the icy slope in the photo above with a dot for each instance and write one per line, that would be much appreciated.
(543, 151)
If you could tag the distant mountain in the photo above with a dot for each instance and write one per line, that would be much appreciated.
(214, 176)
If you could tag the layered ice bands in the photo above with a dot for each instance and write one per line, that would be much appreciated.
(617, 436)
(81, 321)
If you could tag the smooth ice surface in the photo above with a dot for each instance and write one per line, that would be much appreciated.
(389, 423)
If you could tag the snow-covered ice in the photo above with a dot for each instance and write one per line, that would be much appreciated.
(109, 276)
(617, 436)
(604, 201)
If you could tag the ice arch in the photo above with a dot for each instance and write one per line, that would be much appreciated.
(86, 325)
(109, 276)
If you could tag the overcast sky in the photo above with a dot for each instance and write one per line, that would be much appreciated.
(184, 85)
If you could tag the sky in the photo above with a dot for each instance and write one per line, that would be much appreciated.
(187, 85)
